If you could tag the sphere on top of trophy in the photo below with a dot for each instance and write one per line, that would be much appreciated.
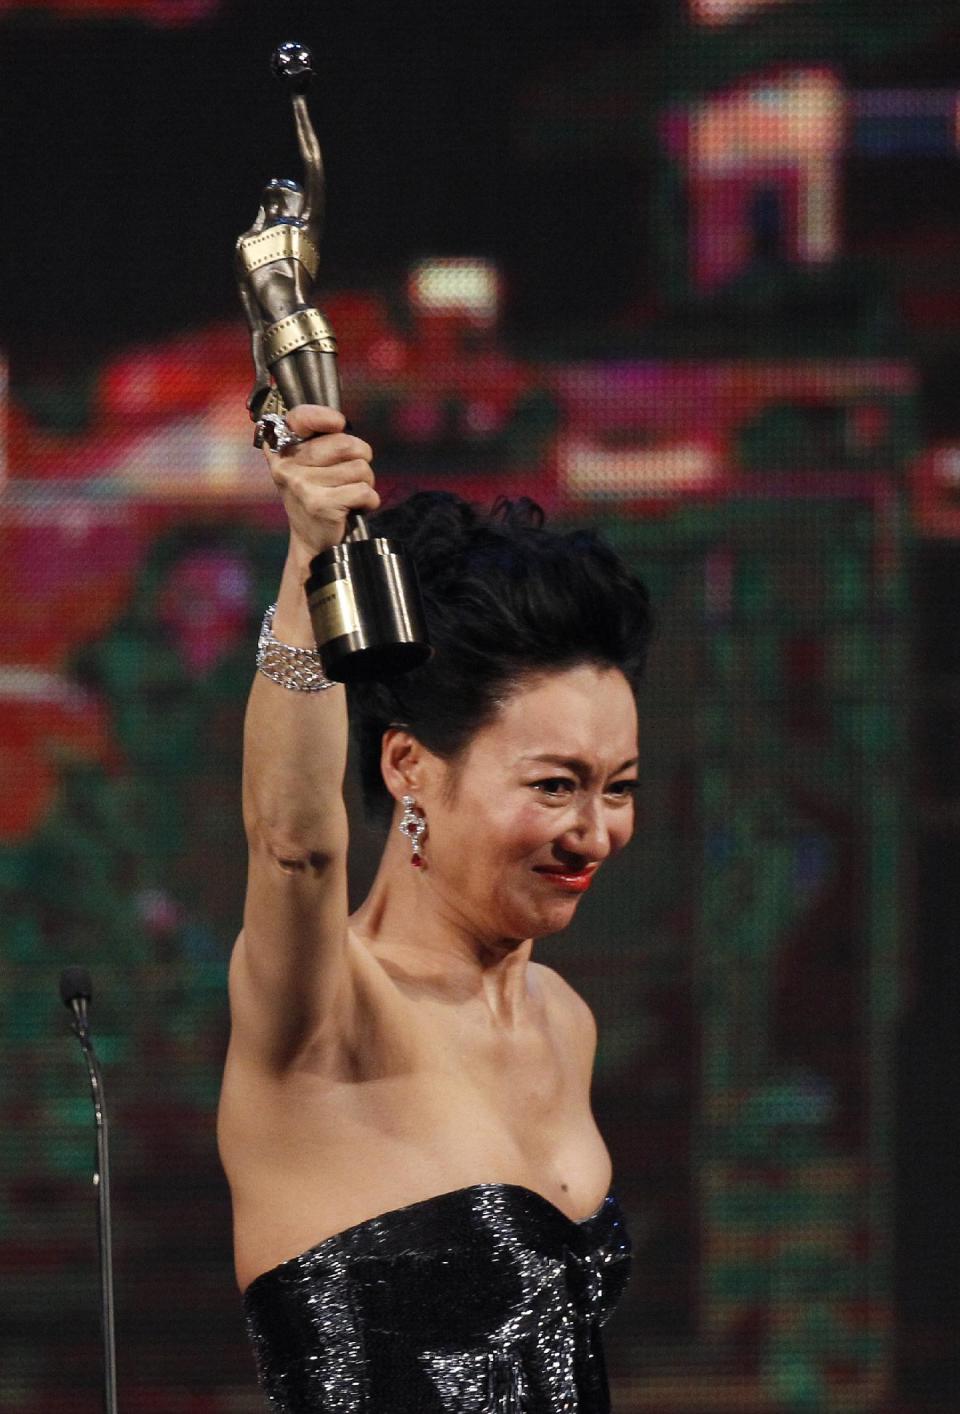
(292, 63)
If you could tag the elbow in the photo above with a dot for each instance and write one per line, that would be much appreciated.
(295, 857)
(312, 863)
(308, 850)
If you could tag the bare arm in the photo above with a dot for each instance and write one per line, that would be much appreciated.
(288, 977)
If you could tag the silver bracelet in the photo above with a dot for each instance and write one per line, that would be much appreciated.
(296, 668)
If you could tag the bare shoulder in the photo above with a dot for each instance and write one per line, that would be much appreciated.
(570, 1012)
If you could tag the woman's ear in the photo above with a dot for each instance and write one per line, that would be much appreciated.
(402, 762)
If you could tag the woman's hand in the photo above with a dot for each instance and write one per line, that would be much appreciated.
(322, 480)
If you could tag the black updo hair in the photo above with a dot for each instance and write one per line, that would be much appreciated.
(504, 599)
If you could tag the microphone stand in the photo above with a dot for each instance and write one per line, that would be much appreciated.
(75, 991)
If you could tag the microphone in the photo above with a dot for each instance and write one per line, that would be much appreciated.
(76, 992)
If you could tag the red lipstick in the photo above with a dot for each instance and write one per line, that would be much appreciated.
(572, 882)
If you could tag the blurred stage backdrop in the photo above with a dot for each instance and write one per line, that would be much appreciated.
(688, 270)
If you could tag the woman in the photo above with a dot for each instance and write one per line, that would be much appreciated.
(421, 1196)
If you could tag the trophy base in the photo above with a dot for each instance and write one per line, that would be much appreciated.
(366, 613)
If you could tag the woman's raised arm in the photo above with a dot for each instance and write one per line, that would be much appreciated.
(288, 974)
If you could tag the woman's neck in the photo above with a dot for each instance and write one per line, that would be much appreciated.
(407, 921)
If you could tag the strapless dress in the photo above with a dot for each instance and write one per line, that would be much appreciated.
(485, 1300)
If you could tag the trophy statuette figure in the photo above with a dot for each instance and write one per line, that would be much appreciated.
(363, 596)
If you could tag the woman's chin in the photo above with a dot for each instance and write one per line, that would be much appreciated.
(551, 918)
(524, 915)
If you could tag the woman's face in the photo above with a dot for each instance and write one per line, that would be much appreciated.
(519, 825)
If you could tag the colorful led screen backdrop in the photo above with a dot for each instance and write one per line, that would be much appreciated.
(689, 275)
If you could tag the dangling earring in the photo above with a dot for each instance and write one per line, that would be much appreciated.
(414, 826)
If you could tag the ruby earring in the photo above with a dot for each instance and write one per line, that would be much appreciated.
(414, 826)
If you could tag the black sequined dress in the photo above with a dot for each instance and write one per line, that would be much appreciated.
(486, 1300)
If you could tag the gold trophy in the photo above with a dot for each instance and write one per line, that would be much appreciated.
(363, 594)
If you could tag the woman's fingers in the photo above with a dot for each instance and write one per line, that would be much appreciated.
(358, 498)
(329, 449)
(327, 505)
(326, 443)
(303, 481)
(324, 477)
(323, 450)
(310, 418)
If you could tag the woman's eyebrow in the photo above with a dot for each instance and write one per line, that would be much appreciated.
(575, 764)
